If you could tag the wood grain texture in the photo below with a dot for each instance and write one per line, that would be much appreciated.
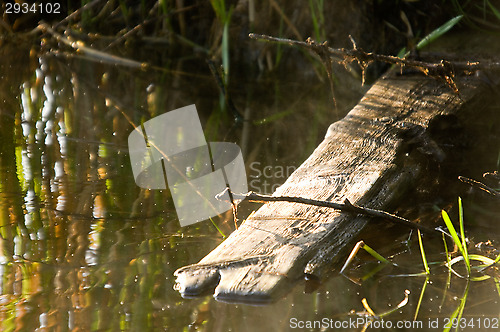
(365, 157)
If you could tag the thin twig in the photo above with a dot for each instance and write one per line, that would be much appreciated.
(444, 69)
(359, 55)
(92, 53)
(346, 207)
(479, 185)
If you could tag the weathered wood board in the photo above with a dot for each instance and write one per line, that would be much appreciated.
(365, 157)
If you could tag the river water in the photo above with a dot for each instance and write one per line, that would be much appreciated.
(84, 248)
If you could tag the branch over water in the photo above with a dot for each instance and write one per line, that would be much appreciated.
(347, 206)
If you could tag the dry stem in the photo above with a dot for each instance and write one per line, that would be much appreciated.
(347, 206)
(444, 70)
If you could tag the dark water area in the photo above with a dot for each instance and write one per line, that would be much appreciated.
(83, 248)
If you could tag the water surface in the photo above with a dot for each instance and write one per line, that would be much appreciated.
(83, 248)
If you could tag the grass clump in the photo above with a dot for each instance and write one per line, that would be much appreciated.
(474, 272)
(461, 244)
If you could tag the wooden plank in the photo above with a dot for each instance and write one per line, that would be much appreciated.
(367, 157)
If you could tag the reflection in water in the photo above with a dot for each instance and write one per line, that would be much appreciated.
(83, 248)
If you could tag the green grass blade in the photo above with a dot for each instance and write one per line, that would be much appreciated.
(498, 159)
(374, 253)
(456, 239)
(225, 51)
(424, 286)
(462, 234)
(439, 32)
(494, 10)
(372, 272)
(446, 250)
(448, 279)
(424, 259)
(402, 53)
(432, 36)
(497, 283)
(314, 20)
(457, 314)
(452, 230)
(274, 117)
(218, 229)
(497, 259)
(317, 18)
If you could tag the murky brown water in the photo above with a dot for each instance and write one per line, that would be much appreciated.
(83, 248)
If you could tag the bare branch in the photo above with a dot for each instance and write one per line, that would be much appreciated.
(443, 69)
(480, 185)
(346, 207)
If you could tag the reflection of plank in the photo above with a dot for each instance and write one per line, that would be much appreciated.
(367, 157)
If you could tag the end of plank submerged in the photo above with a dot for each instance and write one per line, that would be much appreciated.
(196, 283)
(250, 284)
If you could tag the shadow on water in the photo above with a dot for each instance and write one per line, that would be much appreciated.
(82, 247)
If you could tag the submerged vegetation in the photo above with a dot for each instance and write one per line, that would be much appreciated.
(82, 247)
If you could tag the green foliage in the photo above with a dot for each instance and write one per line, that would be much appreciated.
(375, 254)
(433, 36)
(318, 19)
(224, 16)
(218, 229)
(481, 15)
(494, 10)
(458, 312)
(422, 252)
(460, 243)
